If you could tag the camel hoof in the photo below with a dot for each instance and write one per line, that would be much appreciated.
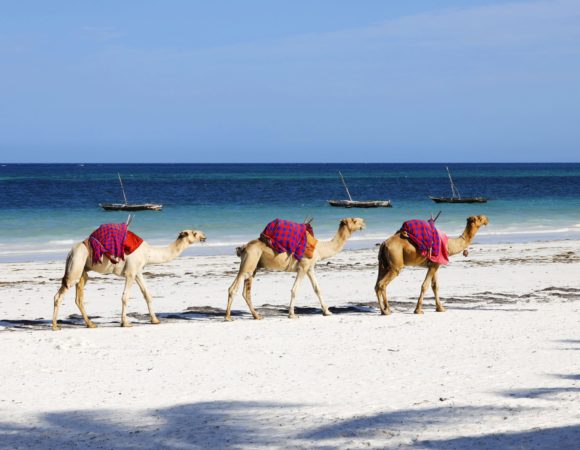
(56, 328)
(227, 318)
(440, 309)
(418, 311)
(258, 317)
(91, 325)
(126, 324)
(386, 312)
(326, 313)
(155, 321)
(292, 316)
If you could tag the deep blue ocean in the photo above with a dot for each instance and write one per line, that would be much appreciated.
(44, 208)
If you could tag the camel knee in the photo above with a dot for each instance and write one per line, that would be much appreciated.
(66, 282)
(233, 289)
(79, 299)
(247, 288)
(125, 298)
(60, 294)
(242, 276)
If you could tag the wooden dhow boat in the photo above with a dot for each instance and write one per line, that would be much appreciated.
(350, 203)
(456, 196)
(361, 204)
(130, 206)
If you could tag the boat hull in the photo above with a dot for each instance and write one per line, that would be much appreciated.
(459, 200)
(131, 206)
(360, 204)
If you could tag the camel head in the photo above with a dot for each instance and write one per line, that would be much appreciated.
(353, 223)
(192, 236)
(477, 221)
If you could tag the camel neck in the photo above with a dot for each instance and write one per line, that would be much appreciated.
(458, 244)
(328, 249)
(159, 255)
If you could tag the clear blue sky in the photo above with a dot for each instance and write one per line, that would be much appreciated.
(289, 81)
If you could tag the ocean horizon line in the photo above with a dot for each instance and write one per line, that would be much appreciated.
(289, 163)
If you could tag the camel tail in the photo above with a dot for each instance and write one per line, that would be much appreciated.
(241, 250)
(384, 261)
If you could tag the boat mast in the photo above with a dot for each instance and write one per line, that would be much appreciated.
(345, 186)
(122, 188)
(454, 190)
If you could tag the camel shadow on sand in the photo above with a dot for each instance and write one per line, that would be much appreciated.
(209, 313)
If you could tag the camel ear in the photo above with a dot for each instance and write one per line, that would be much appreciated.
(182, 234)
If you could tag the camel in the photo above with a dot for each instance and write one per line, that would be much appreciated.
(257, 255)
(397, 252)
(79, 263)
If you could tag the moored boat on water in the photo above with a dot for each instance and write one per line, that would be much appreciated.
(458, 200)
(456, 196)
(130, 206)
(361, 204)
(350, 203)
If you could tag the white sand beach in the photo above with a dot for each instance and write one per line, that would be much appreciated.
(499, 369)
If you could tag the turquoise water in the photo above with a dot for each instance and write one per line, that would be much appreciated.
(45, 208)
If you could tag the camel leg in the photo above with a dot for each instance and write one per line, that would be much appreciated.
(379, 287)
(74, 270)
(294, 291)
(126, 292)
(80, 296)
(248, 268)
(247, 278)
(57, 300)
(247, 294)
(317, 291)
(231, 294)
(435, 286)
(430, 272)
(147, 296)
(383, 280)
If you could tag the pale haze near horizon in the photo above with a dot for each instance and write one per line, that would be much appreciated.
(258, 81)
